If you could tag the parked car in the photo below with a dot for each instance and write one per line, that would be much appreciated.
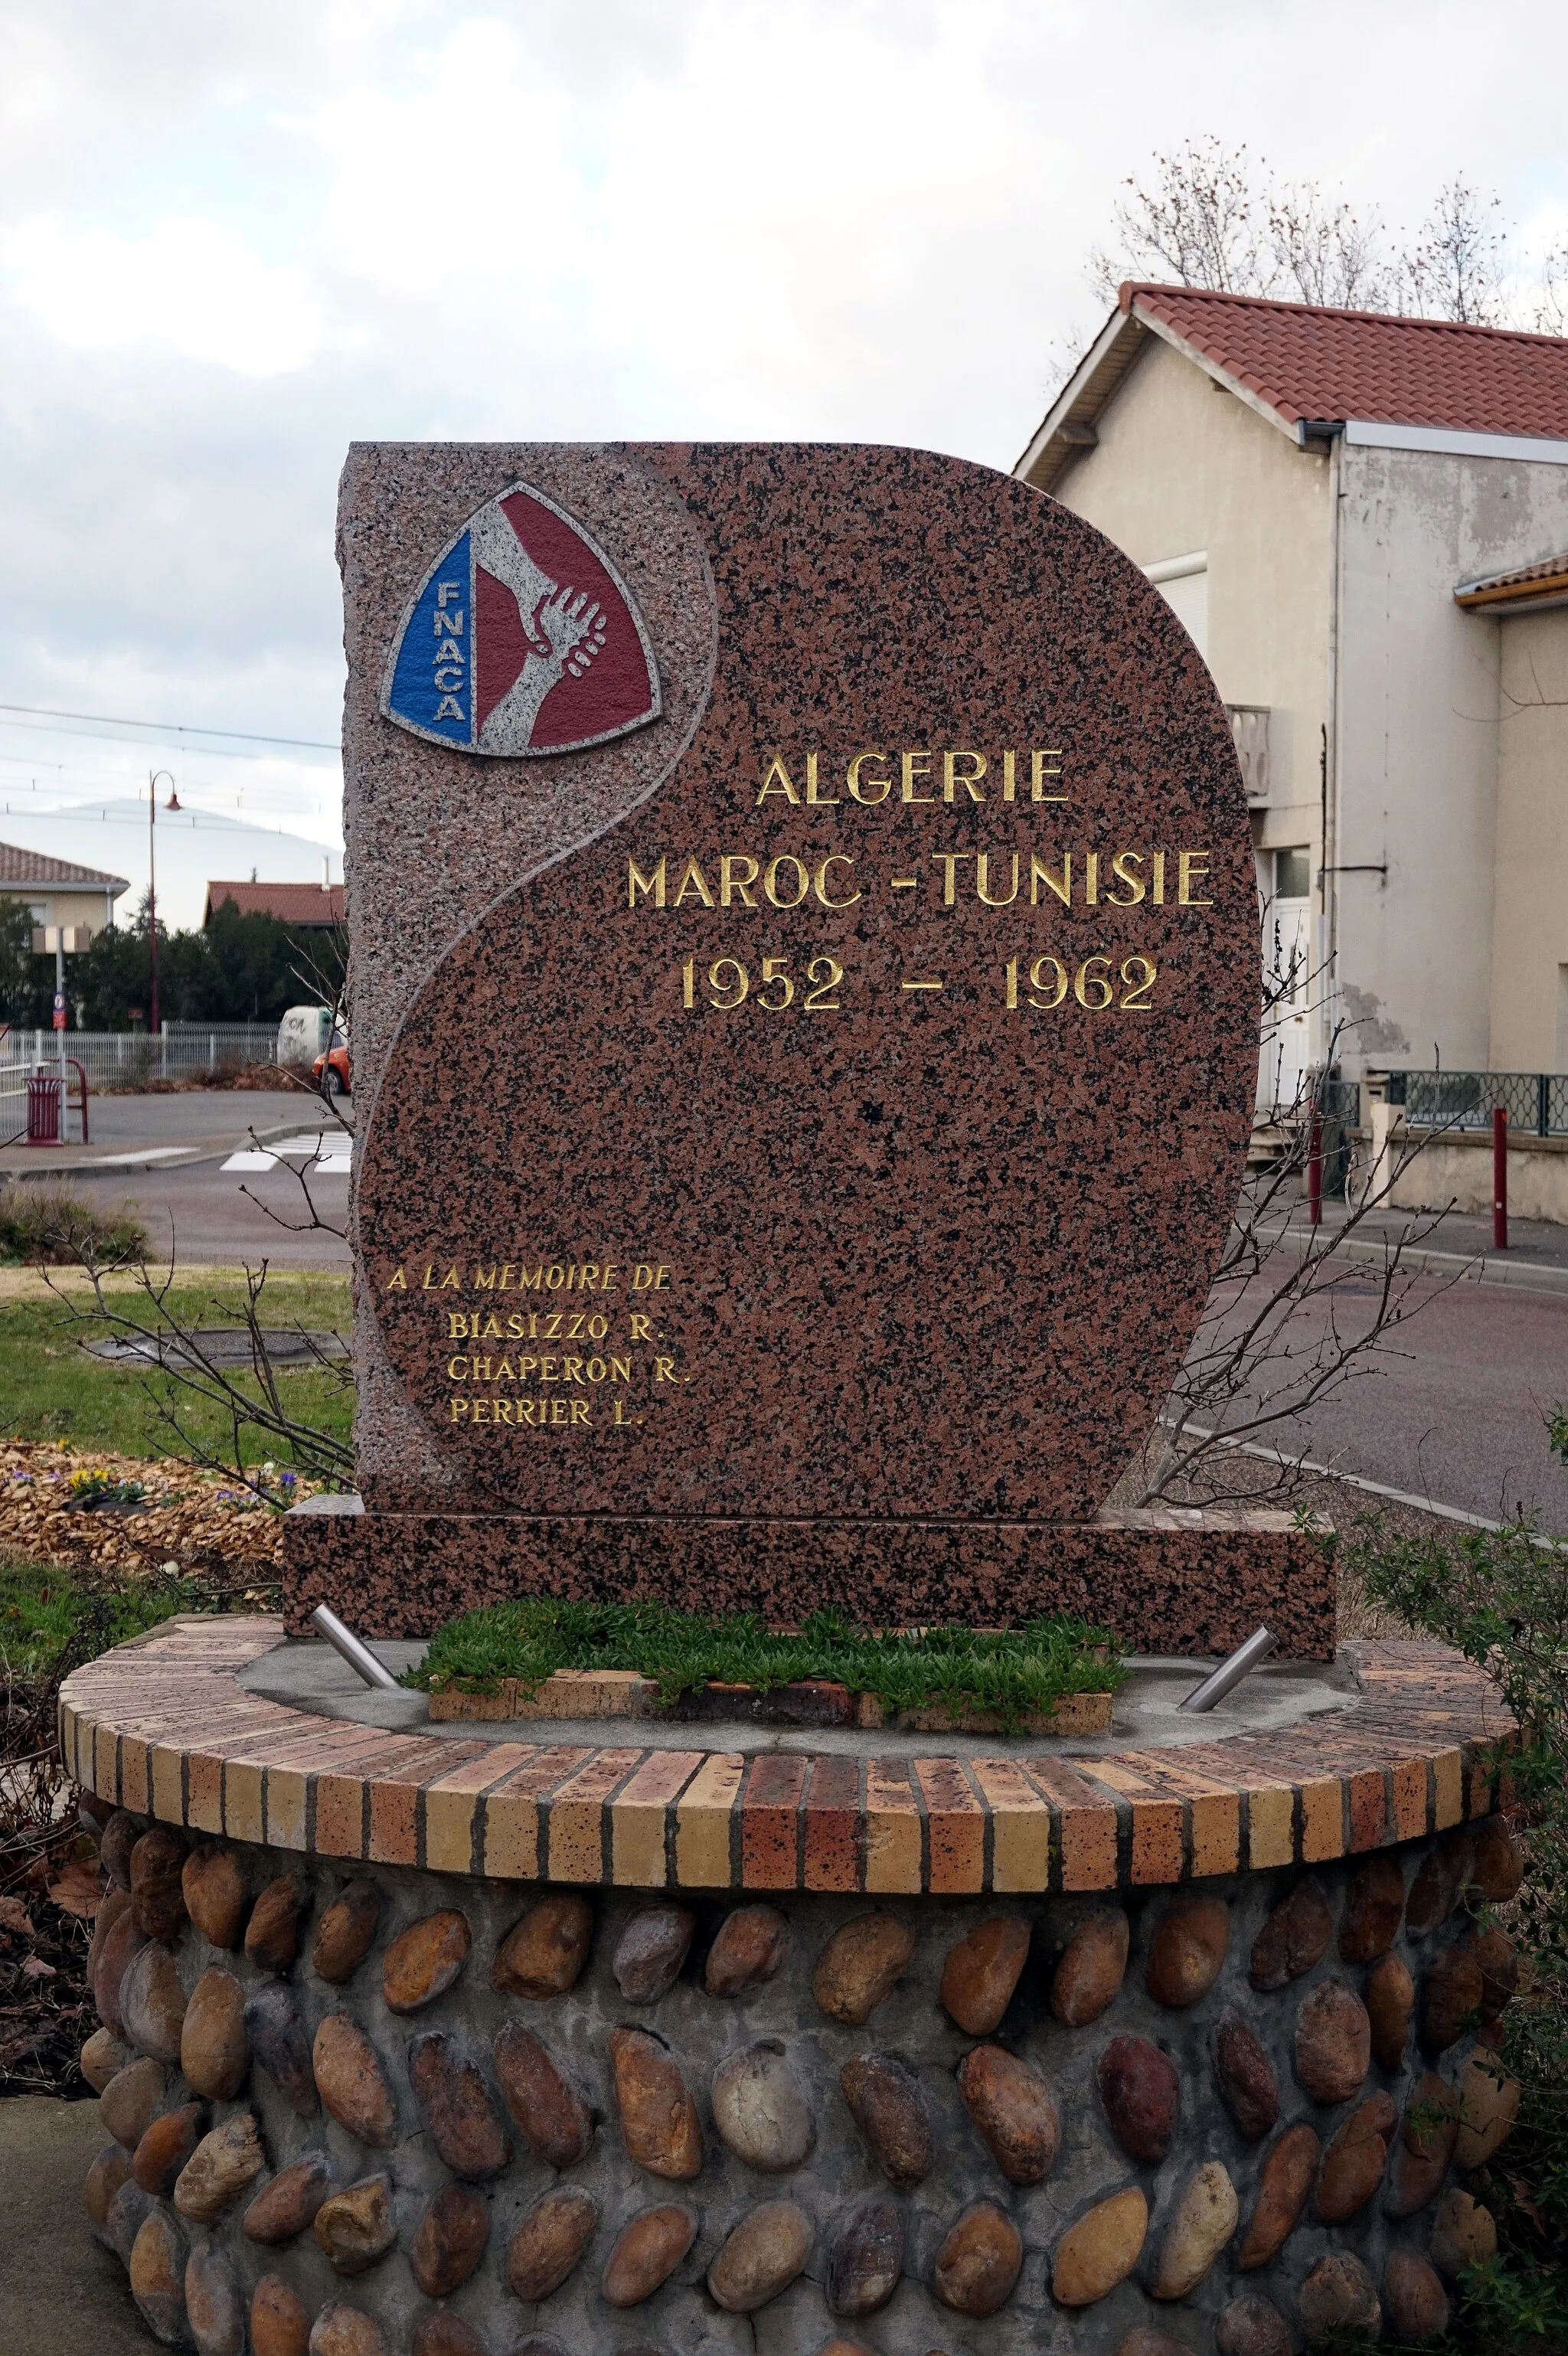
(331, 1069)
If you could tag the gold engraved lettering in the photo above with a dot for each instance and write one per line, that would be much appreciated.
(1191, 866)
(642, 1327)
(457, 1325)
(552, 1325)
(428, 1274)
(620, 1417)
(983, 878)
(1039, 874)
(775, 977)
(500, 1411)
(1038, 774)
(916, 766)
(1120, 866)
(1090, 878)
(1159, 864)
(580, 1411)
(492, 1332)
(451, 1280)
(819, 882)
(771, 883)
(516, 1329)
(777, 781)
(457, 1370)
(479, 1411)
(827, 973)
(1009, 776)
(663, 1372)
(814, 799)
(621, 1369)
(527, 1283)
(741, 984)
(459, 1410)
(547, 1371)
(859, 788)
(396, 1282)
(1138, 973)
(1057, 985)
(607, 1281)
(1086, 980)
(571, 1370)
(485, 1279)
(949, 859)
(507, 1273)
(953, 776)
(652, 887)
(732, 882)
(695, 882)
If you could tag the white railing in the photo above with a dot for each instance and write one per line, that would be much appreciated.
(129, 1059)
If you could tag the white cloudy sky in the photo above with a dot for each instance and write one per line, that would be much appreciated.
(234, 237)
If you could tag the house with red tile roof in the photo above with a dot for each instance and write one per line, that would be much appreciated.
(59, 891)
(292, 903)
(1362, 522)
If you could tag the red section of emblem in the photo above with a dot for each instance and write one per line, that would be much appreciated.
(603, 683)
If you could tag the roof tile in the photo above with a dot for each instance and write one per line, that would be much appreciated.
(1306, 362)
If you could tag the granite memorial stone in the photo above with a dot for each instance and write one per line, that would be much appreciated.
(805, 1015)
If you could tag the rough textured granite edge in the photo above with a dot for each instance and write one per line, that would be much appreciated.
(1190, 1591)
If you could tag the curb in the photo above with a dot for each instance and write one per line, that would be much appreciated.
(1525, 1276)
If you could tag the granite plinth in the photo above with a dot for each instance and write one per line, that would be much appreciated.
(1163, 1582)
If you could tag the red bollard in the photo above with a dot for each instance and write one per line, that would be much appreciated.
(1499, 1179)
(1315, 1172)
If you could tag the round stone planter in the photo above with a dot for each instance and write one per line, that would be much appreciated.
(452, 2045)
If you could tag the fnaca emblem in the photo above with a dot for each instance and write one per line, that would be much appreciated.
(522, 640)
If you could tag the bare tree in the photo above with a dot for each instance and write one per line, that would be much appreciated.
(1215, 215)
(1457, 266)
(1326, 252)
(1278, 1333)
(1201, 223)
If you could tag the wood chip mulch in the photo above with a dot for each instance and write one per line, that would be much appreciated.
(190, 1519)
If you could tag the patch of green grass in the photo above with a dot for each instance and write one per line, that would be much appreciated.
(46, 1612)
(52, 1390)
(1017, 1672)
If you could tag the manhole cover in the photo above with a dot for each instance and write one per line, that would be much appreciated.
(220, 1345)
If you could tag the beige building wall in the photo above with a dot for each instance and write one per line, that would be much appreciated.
(53, 905)
(1183, 467)
(1417, 785)
(1530, 963)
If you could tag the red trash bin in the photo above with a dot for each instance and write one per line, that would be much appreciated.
(44, 1108)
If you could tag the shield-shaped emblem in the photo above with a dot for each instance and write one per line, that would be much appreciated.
(522, 638)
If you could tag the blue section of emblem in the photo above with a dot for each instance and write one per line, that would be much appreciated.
(432, 682)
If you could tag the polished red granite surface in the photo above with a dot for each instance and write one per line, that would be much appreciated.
(834, 1131)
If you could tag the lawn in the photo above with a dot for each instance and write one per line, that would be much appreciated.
(50, 1390)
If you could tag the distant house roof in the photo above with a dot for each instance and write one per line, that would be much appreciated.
(32, 868)
(1525, 591)
(1301, 365)
(292, 903)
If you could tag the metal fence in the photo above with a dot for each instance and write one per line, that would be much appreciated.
(1536, 1102)
(130, 1059)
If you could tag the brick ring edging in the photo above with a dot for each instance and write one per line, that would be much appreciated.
(160, 1727)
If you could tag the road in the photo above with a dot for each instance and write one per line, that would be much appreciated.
(209, 1214)
(1452, 1408)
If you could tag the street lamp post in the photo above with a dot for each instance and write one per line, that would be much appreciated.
(173, 803)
